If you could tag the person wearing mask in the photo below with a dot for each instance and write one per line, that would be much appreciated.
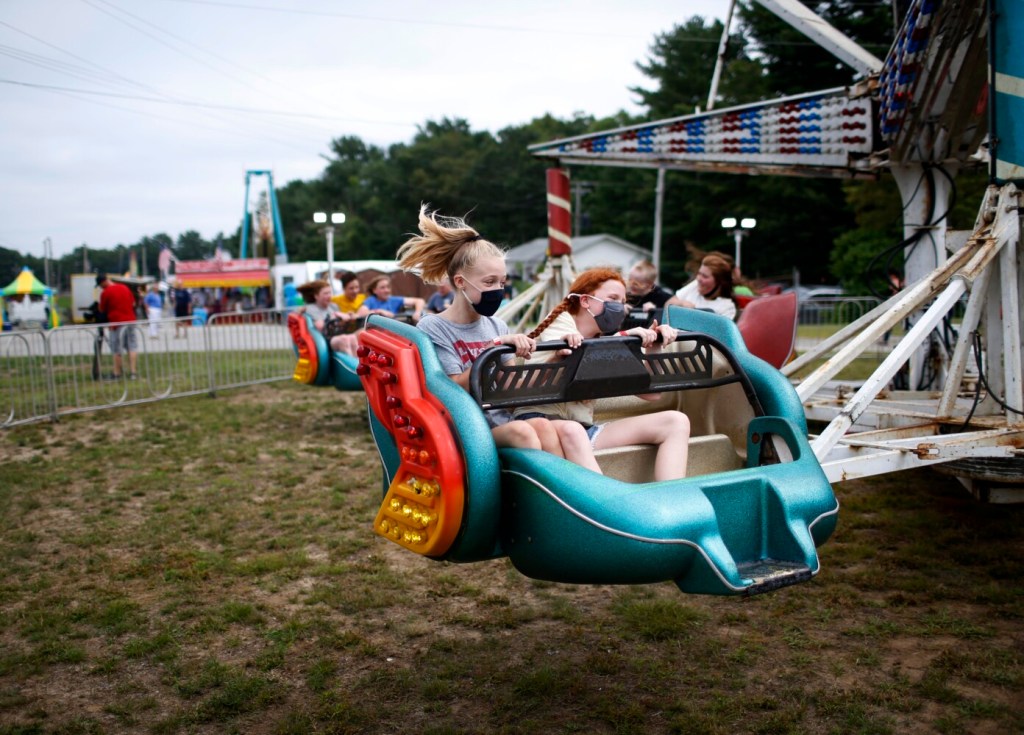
(596, 306)
(642, 289)
(475, 267)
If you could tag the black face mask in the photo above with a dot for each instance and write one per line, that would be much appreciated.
(609, 320)
(489, 300)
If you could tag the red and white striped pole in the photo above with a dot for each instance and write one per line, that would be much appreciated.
(559, 213)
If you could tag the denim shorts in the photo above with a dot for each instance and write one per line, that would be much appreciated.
(123, 338)
(592, 430)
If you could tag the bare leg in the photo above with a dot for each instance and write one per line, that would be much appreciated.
(576, 444)
(117, 365)
(547, 435)
(516, 434)
(133, 362)
(346, 343)
(669, 430)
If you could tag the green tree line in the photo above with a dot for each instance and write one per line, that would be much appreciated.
(828, 229)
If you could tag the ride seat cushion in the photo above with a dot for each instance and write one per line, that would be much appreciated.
(635, 463)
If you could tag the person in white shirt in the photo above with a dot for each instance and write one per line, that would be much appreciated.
(711, 289)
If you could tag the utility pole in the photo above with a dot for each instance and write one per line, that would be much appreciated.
(580, 188)
(659, 208)
(47, 254)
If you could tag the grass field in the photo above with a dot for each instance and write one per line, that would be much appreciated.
(206, 566)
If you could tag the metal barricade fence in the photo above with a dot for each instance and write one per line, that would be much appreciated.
(818, 319)
(67, 370)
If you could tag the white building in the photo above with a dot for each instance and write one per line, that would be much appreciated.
(588, 251)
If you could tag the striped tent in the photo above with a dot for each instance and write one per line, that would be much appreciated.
(27, 284)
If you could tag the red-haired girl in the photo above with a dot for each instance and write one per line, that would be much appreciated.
(595, 306)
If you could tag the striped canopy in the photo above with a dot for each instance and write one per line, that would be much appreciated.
(26, 283)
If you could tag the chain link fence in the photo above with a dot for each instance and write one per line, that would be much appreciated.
(48, 374)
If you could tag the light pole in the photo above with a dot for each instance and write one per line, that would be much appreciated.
(738, 231)
(337, 218)
(47, 256)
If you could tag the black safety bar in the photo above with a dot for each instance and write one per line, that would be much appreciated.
(640, 318)
(602, 368)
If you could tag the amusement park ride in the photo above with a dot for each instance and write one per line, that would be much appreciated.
(757, 498)
(920, 115)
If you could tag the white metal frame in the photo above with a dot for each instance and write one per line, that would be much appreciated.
(872, 429)
(906, 429)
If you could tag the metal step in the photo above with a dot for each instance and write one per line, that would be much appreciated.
(767, 575)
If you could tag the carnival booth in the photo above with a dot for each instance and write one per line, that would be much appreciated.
(28, 301)
(232, 284)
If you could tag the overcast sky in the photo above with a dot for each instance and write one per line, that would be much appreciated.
(120, 119)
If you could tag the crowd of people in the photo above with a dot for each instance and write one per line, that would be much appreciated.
(471, 279)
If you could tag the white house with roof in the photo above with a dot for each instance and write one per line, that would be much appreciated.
(588, 251)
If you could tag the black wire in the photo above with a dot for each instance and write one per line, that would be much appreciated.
(953, 193)
(983, 381)
(892, 249)
(928, 372)
(911, 242)
(977, 386)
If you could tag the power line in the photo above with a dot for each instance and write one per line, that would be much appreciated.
(192, 124)
(278, 132)
(560, 31)
(161, 41)
(112, 78)
(110, 72)
(203, 105)
(161, 29)
(188, 42)
(56, 65)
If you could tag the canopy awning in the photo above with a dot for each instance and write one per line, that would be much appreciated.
(222, 273)
(223, 280)
(26, 283)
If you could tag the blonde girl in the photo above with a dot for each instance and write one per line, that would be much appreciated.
(475, 267)
(595, 306)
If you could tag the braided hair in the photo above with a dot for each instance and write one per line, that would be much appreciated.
(444, 247)
(586, 283)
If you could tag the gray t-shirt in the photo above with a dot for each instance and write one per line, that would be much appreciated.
(458, 345)
(317, 314)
